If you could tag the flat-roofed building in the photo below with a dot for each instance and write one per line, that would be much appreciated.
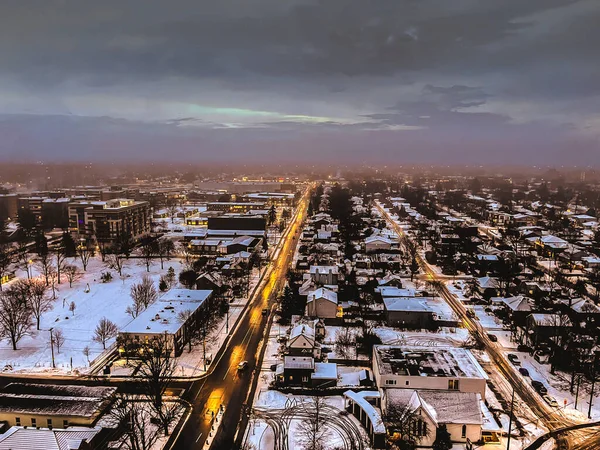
(441, 368)
(162, 318)
(108, 221)
(234, 207)
(53, 406)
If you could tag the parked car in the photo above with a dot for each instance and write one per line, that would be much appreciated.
(541, 357)
(492, 337)
(524, 348)
(523, 371)
(242, 366)
(514, 359)
(539, 387)
(550, 400)
(265, 312)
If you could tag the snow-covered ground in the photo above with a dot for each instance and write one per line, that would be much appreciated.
(103, 300)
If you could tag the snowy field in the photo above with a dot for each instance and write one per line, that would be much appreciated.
(103, 300)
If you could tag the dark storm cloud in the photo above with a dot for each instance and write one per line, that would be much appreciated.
(396, 76)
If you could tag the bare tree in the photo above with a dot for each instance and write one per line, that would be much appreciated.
(71, 273)
(156, 371)
(72, 307)
(172, 209)
(144, 292)
(164, 249)
(85, 251)
(313, 429)
(25, 260)
(6, 260)
(52, 279)
(15, 316)
(104, 331)
(59, 338)
(406, 426)
(60, 256)
(345, 341)
(140, 433)
(86, 353)
(116, 261)
(44, 263)
(38, 300)
(148, 251)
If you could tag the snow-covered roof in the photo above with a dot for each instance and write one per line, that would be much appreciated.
(409, 304)
(162, 315)
(441, 406)
(302, 330)
(298, 362)
(550, 320)
(582, 305)
(393, 291)
(35, 439)
(437, 362)
(323, 293)
(518, 303)
(325, 371)
(362, 399)
(377, 238)
(65, 400)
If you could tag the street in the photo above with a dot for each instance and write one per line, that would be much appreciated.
(225, 386)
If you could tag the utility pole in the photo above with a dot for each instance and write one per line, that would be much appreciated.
(593, 382)
(52, 347)
(512, 405)
(577, 390)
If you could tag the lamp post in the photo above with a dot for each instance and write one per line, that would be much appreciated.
(52, 347)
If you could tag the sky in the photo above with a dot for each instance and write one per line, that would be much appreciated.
(308, 81)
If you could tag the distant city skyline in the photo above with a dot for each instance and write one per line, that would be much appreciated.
(416, 82)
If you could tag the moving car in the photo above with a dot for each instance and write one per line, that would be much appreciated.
(539, 387)
(550, 400)
(492, 337)
(242, 366)
(523, 371)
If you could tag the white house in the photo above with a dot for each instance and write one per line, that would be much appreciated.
(461, 412)
(322, 303)
(302, 341)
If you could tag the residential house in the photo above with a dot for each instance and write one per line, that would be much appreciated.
(322, 303)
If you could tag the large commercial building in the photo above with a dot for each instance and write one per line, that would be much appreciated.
(107, 221)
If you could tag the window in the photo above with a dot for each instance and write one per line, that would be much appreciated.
(65, 423)
(453, 385)
(390, 382)
(419, 428)
(50, 423)
(407, 382)
(33, 422)
(305, 379)
(464, 431)
(18, 421)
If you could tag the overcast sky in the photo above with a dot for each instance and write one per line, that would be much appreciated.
(398, 81)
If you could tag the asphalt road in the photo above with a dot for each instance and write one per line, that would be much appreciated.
(225, 385)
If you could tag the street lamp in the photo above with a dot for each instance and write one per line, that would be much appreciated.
(52, 347)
